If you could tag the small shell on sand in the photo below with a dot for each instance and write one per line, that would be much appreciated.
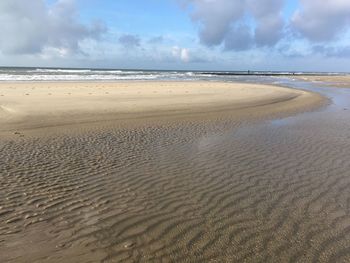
(129, 244)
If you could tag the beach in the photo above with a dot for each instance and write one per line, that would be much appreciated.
(30, 105)
(174, 172)
(180, 131)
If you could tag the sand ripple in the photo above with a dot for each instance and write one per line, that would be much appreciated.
(195, 192)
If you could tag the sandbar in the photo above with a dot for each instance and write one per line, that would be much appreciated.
(30, 105)
(337, 81)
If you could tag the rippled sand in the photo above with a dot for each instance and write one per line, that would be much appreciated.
(221, 189)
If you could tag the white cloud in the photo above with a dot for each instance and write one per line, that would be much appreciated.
(191, 55)
(182, 54)
(248, 24)
(185, 55)
(321, 20)
(269, 21)
(215, 18)
(225, 21)
(30, 27)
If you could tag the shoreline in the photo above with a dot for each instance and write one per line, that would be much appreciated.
(38, 105)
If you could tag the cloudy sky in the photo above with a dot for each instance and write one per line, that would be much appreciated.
(310, 35)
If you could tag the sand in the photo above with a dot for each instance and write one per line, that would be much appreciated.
(339, 81)
(36, 105)
(219, 189)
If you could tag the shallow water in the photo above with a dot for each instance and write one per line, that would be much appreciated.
(268, 191)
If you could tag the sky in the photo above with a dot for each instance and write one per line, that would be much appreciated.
(285, 35)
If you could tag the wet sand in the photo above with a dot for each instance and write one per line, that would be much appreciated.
(221, 189)
(340, 81)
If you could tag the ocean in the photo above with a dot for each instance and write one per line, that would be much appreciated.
(86, 74)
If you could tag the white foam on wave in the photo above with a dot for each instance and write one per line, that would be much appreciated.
(62, 70)
(75, 77)
(44, 74)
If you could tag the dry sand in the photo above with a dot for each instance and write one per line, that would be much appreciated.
(33, 105)
(197, 191)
